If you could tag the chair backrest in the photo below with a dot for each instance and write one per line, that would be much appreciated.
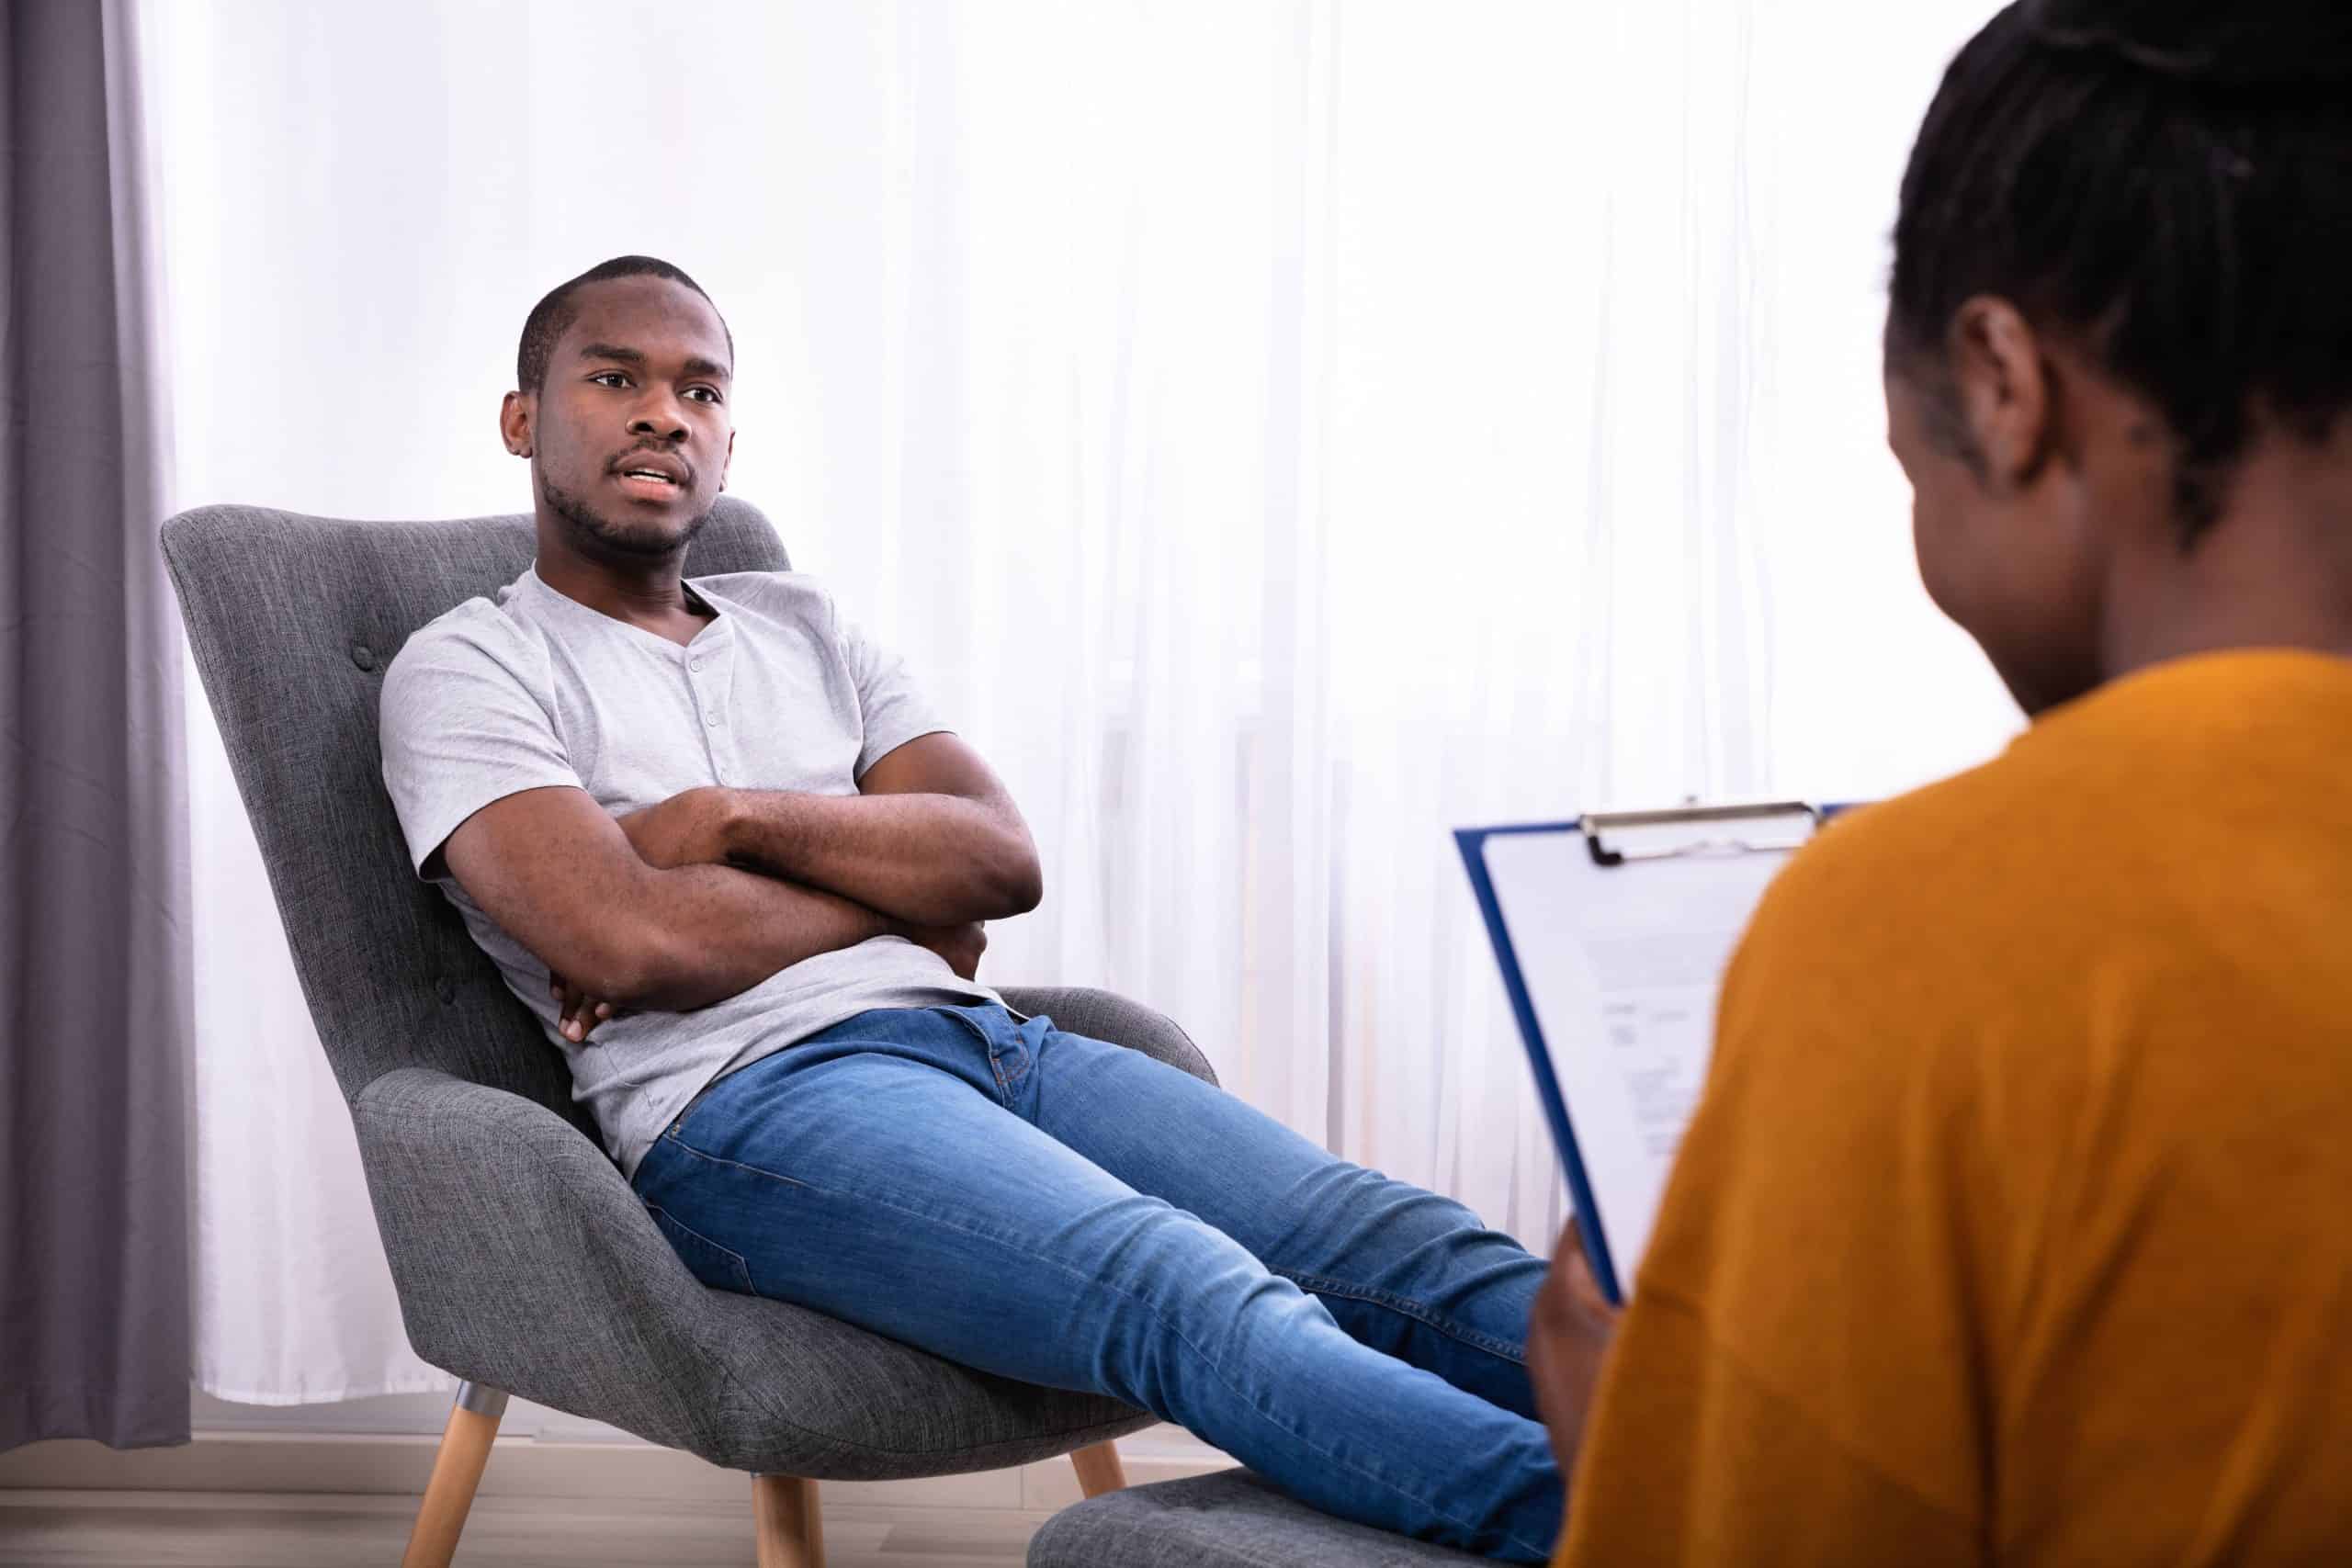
(293, 620)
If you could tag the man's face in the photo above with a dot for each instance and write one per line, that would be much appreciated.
(630, 433)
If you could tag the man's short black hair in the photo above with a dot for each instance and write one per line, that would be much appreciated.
(2166, 182)
(548, 319)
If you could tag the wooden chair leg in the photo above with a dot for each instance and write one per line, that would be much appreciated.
(791, 1531)
(456, 1470)
(1099, 1469)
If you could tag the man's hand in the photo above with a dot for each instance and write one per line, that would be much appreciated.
(960, 945)
(688, 829)
(1566, 1340)
(576, 1012)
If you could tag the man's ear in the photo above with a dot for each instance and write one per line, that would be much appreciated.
(2002, 385)
(729, 462)
(514, 417)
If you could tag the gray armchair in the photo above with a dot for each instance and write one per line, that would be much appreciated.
(524, 1264)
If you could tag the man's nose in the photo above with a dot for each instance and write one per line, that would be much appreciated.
(660, 416)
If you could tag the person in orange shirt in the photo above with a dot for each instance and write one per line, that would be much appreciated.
(2015, 1224)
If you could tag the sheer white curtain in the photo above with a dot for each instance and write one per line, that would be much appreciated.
(1282, 433)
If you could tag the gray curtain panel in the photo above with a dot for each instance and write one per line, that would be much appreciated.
(96, 989)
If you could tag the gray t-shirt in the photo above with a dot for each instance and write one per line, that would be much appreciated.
(776, 692)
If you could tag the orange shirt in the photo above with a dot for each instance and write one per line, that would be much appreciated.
(2015, 1224)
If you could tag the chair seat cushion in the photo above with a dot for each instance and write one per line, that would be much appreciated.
(1230, 1519)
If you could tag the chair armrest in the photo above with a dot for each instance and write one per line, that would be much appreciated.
(1106, 1015)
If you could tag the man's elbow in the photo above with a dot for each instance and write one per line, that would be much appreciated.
(1020, 881)
(631, 980)
(632, 966)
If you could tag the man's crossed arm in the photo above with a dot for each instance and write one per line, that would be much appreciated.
(704, 895)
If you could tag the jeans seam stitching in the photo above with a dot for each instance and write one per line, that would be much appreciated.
(996, 1067)
(1208, 1360)
(742, 1262)
(755, 1171)
(1323, 1286)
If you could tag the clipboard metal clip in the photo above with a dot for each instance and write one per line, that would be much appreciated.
(1743, 839)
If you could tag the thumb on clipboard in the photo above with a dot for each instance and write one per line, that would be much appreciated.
(1567, 1337)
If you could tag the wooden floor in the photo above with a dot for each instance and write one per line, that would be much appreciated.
(203, 1529)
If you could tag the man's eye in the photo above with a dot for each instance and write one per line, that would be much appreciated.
(610, 378)
(704, 394)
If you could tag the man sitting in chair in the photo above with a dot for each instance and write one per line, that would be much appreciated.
(713, 825)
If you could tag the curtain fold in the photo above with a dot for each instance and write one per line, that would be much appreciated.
(95, 984)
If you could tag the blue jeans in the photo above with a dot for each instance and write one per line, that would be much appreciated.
(1074, 1213)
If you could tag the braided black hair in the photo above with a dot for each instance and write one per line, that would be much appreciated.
(2169, 182)
(544, 326)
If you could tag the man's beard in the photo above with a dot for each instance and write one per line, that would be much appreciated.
(617, 538)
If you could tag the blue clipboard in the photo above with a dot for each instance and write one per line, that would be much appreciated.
(1472, 841)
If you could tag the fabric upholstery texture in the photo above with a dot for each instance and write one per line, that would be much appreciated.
(1230, 1519)
(522, 1259)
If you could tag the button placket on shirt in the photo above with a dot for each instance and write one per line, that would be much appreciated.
(705, 678)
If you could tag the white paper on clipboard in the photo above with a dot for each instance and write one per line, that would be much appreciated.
(1622, 966)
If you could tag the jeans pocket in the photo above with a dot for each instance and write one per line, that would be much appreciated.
(714, 1265)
